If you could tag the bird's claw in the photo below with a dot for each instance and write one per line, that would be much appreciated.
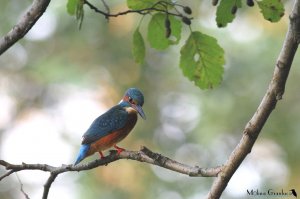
(119, 150)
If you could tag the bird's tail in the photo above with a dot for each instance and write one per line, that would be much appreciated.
(82, 153)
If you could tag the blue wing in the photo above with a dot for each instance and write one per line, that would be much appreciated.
(114, 119)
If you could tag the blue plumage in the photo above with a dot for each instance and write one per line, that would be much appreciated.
(114, 119)
(136, 95)
(112, 126)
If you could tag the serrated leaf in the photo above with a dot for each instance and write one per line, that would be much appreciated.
(202, 60)
(138, 48)
(72, 6)
(156, 31)
(272, 10)
(224, 14)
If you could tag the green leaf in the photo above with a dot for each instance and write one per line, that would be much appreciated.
(202, 60)
(157, 31)
(72, 6)
(272, 10)
(224, 15)
(138, 48)
(75, 7)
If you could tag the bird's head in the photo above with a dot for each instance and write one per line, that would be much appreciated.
(134, 98)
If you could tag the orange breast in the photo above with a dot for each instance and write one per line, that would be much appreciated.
(114, 137)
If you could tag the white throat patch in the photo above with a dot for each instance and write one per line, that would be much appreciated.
(130, 110)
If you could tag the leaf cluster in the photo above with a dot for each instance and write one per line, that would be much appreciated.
(201, 57)
(272, 10)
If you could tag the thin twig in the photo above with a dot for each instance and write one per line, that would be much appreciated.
(6, 174)
(106, 7)
(140, 11)
(21, 187)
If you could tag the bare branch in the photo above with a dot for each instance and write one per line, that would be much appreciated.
(6, 174)
(26, 22)
(268, 103)
(141, 11)
(48, 185)
(106, 7)
(144, 155)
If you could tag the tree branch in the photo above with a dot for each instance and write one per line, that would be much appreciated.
(6, 174)
(141, 11)
(26, 22)
(144, 155)
(21, 188)
(48, 184)
(268, 103)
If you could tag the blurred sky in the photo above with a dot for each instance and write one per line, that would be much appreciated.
(56, 80)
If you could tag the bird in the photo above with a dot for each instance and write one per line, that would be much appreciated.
(294, 192)
(112, 126)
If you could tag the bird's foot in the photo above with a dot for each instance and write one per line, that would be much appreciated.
(101, 154)
(119, 150)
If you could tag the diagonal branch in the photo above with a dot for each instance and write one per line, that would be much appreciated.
(26, 22)
(7, 173)
(268, 103)
(21, 187)
(144, 155)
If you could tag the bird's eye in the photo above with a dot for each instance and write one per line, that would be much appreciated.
(130, 100)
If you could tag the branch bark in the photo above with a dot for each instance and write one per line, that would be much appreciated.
(26, 22)
(144, 155)
(268, 103)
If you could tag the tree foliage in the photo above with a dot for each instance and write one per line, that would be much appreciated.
(165, 29)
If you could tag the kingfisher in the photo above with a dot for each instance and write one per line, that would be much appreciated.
(113, 126)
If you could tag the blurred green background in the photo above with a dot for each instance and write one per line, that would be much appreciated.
(56, 80)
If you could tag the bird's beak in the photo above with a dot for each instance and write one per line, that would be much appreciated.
(140, 111)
